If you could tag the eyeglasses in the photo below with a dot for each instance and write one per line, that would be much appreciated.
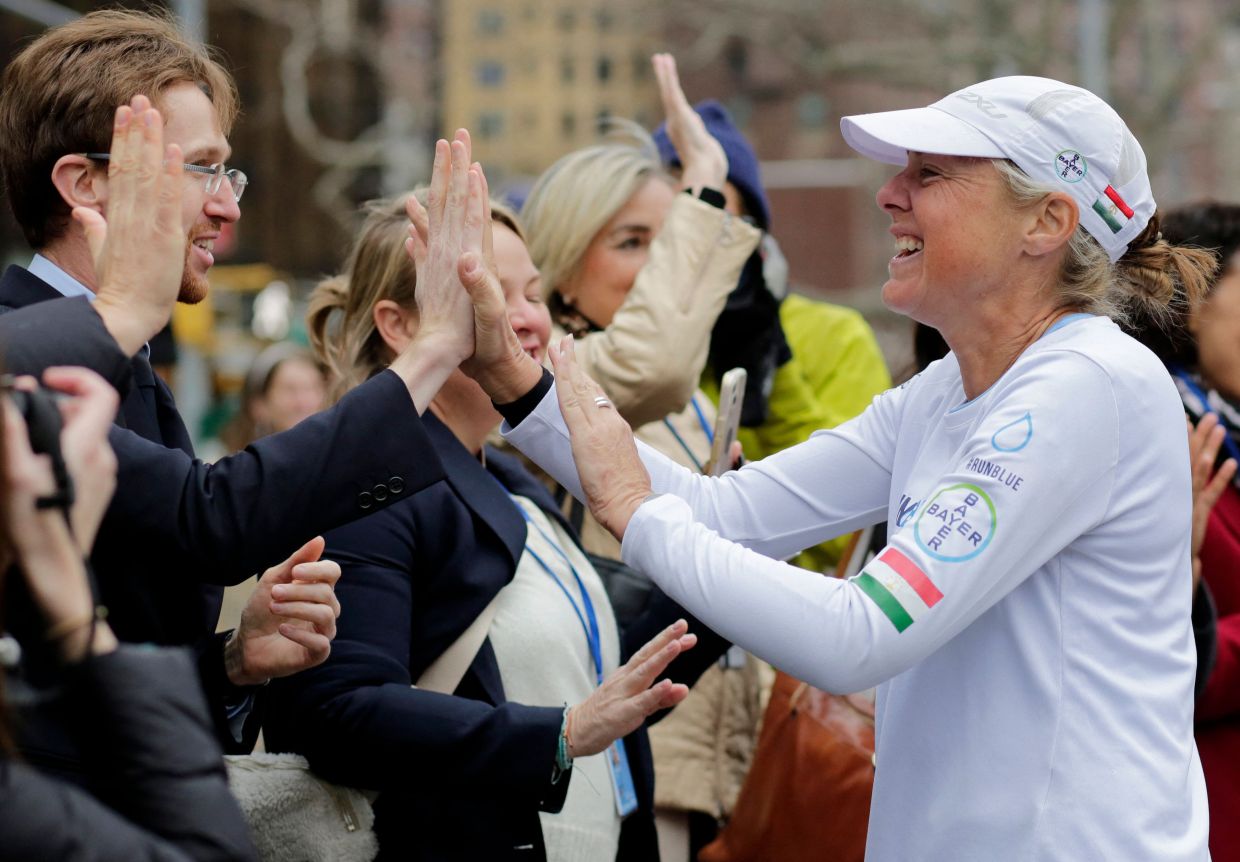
(215, 174)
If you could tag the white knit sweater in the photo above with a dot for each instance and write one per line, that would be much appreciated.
(544, 660)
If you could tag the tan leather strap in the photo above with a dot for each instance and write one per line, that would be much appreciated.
(854, 555)
(446, 672)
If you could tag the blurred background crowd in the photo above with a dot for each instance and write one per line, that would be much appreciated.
(343, 97)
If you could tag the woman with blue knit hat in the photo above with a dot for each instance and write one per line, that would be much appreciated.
(637, 266)
(811, 364)
(1028, 625)
(747, 333)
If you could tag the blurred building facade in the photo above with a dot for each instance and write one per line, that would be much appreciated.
(342, 98)
(534, 79)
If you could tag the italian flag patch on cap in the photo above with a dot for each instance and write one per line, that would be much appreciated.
(901, 590)
(1113, 210)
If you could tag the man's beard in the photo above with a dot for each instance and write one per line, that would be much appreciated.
(193, 287)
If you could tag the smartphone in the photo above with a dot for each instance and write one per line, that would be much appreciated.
(727, 421)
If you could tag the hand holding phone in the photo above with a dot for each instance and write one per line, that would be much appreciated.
(727, 421)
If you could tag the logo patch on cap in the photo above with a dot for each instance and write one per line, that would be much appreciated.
(1070, 166)
(986, 106)
(1113, 210)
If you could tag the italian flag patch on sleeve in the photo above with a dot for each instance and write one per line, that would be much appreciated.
(901, 590)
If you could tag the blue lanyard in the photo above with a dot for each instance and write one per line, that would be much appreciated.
(710, 435)
(588, 620)
(1180, 374)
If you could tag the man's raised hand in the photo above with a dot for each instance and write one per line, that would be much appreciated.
(139, 247)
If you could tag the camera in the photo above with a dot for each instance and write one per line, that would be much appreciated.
(43, 423)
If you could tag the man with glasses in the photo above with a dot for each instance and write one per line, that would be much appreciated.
(212, 179)
(176, 527)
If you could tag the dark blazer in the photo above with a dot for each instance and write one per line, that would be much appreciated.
(164, 793)
(177, 527)
(460, 777)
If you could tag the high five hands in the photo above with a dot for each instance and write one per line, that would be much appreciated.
(450, 246)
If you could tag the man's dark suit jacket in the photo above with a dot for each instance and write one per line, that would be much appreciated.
(177, 529)
(460, 777)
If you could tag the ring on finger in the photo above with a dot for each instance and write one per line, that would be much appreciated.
(602, 402)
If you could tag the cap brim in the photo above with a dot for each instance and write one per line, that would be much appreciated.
(891, 135)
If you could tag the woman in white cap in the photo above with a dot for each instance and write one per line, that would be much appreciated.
(1028, 625)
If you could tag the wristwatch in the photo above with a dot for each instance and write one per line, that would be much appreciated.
(714, 197)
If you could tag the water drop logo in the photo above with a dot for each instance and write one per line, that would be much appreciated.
(1014, 436)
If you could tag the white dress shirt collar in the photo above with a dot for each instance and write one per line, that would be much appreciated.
(58, 279)
(67, 285)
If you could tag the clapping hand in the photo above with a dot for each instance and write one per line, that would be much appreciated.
(703, 160)
(139, 249)
(1204, 441)
(289, 622)
(627, 697)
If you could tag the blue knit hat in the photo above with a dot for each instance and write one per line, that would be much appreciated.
(742, 161)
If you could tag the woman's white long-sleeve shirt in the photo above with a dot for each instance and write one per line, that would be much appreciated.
(1028, 625)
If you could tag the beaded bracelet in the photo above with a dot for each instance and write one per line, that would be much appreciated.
(563, 760)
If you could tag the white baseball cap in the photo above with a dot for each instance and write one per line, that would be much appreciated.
(1060, 135)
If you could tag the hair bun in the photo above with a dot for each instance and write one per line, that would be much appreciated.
(1164, 279)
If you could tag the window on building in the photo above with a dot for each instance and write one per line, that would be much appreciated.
(490, 22)
(641, 66)
(602, 118)
(604, 19)
(741, 109)
(568, 70)
(812, 110)
(567, 19)
(603, 69)
(490, 124)
(736, 57)
(489, 73)
(568, 124)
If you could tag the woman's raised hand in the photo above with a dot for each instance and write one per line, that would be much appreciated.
(702, 158)
(630, 695)
(614, 479)
(437, 237)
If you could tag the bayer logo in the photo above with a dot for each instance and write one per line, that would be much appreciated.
(1070, 166)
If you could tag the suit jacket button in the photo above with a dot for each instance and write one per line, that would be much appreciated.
(381, 493)
(396, 484)
(364, 500)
